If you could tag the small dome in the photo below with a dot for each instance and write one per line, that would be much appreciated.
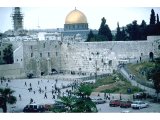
(75, 17)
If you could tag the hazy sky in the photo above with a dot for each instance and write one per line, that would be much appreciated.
(54, 17)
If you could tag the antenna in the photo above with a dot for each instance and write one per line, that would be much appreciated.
(38, 24)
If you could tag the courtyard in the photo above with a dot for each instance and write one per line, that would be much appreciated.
(23, 95)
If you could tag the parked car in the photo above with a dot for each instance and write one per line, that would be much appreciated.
(125, 104)
(139, 105)
(114, 103)
(141, 95)
(34, 108)
(98, 100)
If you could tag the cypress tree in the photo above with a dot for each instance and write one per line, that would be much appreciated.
(118, 34)
(152, 17)
(157, 18)
(104, 30)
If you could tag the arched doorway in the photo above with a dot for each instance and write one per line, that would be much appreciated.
(151, 56)
(158, 47)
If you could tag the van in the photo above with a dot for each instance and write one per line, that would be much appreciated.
(34, 108)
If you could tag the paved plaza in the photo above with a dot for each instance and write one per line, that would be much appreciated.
(46, 85)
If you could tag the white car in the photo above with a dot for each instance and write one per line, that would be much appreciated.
(139, 105)
(98, 100)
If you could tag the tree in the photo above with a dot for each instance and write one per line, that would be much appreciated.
(142, 30)
(154, 74)
(7, 97)
(120, 35)
(90, 36)
(84, 103)
(157, 18)
(8, 54)
(152, 17)
(123, 34)
(105, 31)
(153, 28)
(133, 31)
(80, 101)
(68, 102)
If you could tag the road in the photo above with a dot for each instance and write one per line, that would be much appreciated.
(105, 108)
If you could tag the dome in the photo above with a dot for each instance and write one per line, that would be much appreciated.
(75, 17)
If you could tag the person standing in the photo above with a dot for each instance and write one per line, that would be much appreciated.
(120, 96)
(105, 95)
(1, 81)
(25, 84)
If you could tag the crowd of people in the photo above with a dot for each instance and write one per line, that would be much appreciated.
(55, 91)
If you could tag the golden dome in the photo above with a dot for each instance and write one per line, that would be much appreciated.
(75, 17)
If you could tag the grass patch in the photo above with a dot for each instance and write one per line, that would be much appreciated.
(140, 69)
(115, 83)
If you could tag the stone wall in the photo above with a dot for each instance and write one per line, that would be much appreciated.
(86, 59)
(11, 71)
(83, 57)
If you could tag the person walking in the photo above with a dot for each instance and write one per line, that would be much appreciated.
(45, 95)
(40, 90)
(20, 97)
(6, 84)
(31, 101)
(53, 97)
(52, 91)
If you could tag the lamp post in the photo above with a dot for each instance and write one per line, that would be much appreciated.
(96, 71)
(97, 53)
(48, 65)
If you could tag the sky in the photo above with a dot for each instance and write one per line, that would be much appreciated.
(53, 16)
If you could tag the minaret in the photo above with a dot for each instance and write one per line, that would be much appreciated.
(17, 17)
